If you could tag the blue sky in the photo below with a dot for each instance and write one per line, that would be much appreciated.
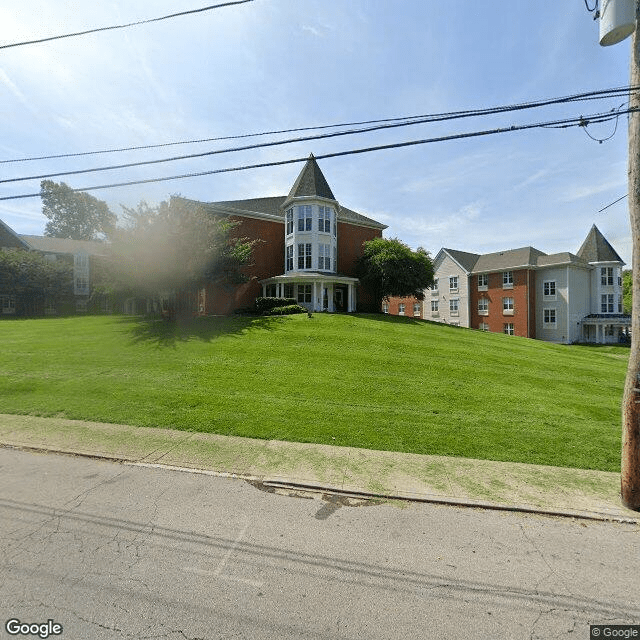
(279, 64)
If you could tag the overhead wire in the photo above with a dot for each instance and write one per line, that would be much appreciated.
(124, 26)
(576, 121)
(404, 120)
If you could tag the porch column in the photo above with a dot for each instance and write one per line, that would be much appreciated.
(351, 305)
(330, 295)
(264, 290)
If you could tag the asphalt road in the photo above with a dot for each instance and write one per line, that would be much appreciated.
(117, 551)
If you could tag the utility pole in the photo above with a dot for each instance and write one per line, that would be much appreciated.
(630, 473)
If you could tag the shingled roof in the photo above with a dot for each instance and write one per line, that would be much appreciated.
(511, 259)
(596, 248)
(311, 182)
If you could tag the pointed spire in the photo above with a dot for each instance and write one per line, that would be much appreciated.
(311, 182)
(596, 248)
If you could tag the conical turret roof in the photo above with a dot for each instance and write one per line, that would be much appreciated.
(596, 248)
(311, 182)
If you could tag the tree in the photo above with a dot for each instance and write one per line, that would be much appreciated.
(33, 279)
(391, 268)
(74, 214)
(175, 246)
(627, 290)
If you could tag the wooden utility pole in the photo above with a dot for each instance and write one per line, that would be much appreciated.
(630, 476)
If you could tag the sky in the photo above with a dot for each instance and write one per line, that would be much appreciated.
(280, 64)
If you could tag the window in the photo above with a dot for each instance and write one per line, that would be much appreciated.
(305, 221)
(289, 264)
(434, 306)
(401, 309)
(606, 303)
(549, 318)
(549, 288)
(483, 282)
(507, 306)
(82, 284)
(483, 326)
(324, 219)
(434, 286)
(385, 307)
(271, 291)
(289, 222)
(453, 283)
(417, 311)
(606, 276)
(483, 306)
(81, 261)
(7, 304)
(619, 304)
(288, 290)
(304, 256)
(508, 329)
(304, 293)
(324, 257)
(507, 279)
(453, 306)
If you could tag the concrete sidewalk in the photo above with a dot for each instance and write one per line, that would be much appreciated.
(501, 485)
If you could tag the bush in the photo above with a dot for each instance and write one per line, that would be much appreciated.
(286, 310)
(265, 305)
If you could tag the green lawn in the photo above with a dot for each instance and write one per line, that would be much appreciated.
(373, 381)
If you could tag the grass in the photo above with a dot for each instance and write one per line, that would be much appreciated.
(371, 381)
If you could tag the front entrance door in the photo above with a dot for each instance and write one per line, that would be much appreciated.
(340, 297)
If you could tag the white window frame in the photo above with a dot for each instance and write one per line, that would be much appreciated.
(606, 276)
(454, 306)
(453, 283)
(507, 279)
(401, 307)
(305, 293)
(549, 289)
(434, 287)
(508, 328)
(324, 219)
(483, 306)
(289, 221)
(434, 307)
(550, 318)
(385, 307)
(305, 217)
(483, 326)
(417, 310)
(508, 306)
(606, 303)
(483, 282)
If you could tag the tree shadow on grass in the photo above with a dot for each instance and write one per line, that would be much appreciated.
(168, 333)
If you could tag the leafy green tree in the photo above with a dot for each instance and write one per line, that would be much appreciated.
(627, 290)
(32, 279)
(74, 214)
(388, 267)
(175, 246)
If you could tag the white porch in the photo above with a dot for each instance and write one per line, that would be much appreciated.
(603, 329)
(315, 291)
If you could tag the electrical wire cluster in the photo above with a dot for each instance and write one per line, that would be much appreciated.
(337, 130)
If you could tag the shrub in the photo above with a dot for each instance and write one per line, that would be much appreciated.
(286, 310)
(265, 305)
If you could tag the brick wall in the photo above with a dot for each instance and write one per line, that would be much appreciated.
(523, 294)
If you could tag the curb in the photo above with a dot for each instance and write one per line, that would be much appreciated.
(278, 483)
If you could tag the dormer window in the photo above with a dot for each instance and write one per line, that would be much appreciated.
(305, 221)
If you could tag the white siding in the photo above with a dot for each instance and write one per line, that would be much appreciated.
(446, 269)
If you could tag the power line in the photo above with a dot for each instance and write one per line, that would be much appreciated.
(576, 122)
(388, 125)
(406, 120)
(612, 203)
(123, 26)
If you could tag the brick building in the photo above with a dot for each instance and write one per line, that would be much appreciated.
(308, 247)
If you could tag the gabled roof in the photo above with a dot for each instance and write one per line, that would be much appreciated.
(596, 248)
(63, 245)
(311, 182)
(464, 259)
(9, 238)
(511, 259)
(564, 257)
